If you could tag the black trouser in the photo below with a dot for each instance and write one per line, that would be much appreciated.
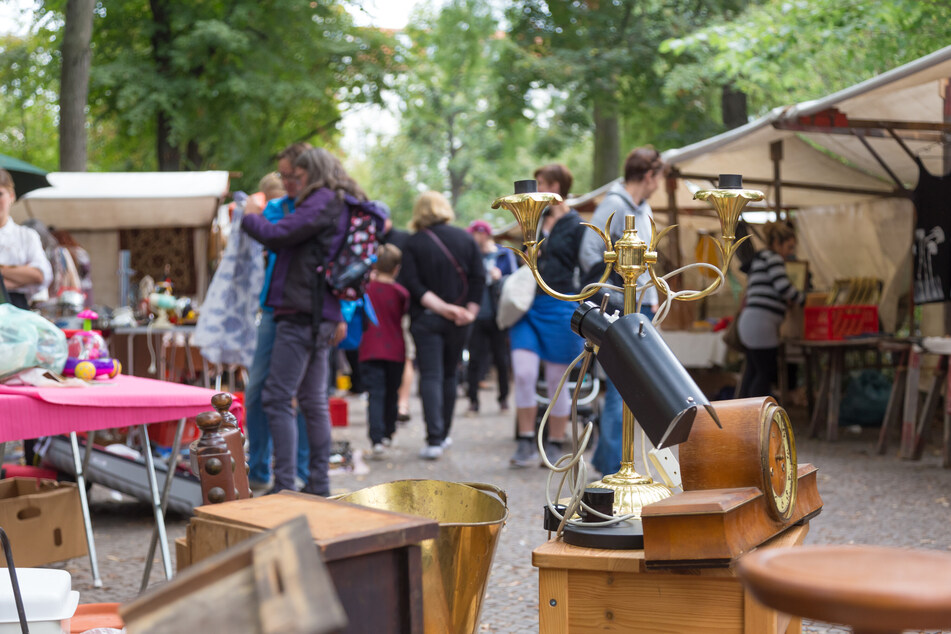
(760, 373)
(439, 344)
(487, 342)
(382, 380)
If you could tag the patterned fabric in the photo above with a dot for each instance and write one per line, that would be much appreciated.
(226, 331)
(152, 249)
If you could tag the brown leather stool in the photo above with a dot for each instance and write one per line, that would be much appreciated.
(873, 589)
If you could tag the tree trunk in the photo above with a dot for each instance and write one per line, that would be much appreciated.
(733, 104)
(607, 145)
(169, 156)
(74, 85)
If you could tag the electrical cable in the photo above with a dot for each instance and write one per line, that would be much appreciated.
(572, 466)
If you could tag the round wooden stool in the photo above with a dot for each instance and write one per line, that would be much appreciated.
(873, 589)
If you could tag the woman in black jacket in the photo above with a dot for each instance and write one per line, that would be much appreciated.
(443, 271)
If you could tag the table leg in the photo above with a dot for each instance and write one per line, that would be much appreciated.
(822, 401)
(3, 451)
(156, 503)
(783, 376)
(166, 491)
(809, 367)
(836, 364)
(910, 412)
(946, 444)
(895, 401)
(84, 504)
(923, 431)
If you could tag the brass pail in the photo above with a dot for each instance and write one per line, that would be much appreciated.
(456, 564)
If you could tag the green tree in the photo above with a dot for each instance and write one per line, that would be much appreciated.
(787, 51)
(177, 84)
(29, 77)
(600, 58)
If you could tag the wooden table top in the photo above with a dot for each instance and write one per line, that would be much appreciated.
(871, 588)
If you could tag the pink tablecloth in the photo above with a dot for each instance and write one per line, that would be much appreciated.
(30, 412)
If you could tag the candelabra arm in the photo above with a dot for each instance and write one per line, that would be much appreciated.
(727, 249)
(530, 257)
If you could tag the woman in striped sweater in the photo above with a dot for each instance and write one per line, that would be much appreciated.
(768, 294)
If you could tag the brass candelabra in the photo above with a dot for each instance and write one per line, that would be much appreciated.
(630, 256)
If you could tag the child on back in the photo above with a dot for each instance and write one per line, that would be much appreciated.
(382, 350)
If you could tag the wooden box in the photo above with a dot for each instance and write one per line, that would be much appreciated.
(373, 556)
(593, 590)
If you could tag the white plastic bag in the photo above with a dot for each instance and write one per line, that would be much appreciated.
(28, 340)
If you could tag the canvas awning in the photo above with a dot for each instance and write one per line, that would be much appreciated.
(855, 144)
(125, 200)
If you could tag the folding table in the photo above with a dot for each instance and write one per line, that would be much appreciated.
(32, 412)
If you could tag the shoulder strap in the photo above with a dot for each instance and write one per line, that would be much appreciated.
(455, 263)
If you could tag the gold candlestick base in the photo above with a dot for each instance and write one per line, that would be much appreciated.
(632, 491)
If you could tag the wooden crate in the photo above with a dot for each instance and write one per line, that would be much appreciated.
(373, 556)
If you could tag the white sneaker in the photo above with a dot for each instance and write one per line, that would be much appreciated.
(378, 452)
(446, 443)
(431, 452)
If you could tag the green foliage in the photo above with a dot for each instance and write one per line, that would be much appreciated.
(787, 51)
(605, 52)
(29, 79)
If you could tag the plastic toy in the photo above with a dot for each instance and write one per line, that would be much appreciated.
(88, 353)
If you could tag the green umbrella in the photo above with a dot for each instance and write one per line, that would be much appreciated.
(26, 177)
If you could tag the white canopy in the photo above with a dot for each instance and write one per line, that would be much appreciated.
(125, 200)
(827, 163)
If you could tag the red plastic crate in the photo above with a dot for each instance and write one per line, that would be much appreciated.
(164, 433)
(833, 323)
(338, 412)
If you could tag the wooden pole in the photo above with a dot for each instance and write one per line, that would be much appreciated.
(673, 214)
(776, 155)
(946, 167)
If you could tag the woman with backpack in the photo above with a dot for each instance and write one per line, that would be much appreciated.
(307, 314)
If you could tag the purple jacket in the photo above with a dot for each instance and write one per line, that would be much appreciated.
(302, 242)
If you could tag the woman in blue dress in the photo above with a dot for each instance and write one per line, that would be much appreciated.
(544, 333)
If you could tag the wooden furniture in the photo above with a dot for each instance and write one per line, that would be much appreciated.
(586, 589)
(874, 589)
(373, 556)
(825, 411)
(272, 583)
(219, 454)
(915, 419)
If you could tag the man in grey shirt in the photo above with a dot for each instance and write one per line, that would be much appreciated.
(643, 173)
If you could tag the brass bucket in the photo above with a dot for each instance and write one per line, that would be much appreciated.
(456, 564)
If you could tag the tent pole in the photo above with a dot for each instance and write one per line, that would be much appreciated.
(946, 165)
(673, 219)
(776, 155)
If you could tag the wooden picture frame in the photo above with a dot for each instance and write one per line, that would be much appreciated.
(798, 273)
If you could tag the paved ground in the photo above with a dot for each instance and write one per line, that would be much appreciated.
(868, 499)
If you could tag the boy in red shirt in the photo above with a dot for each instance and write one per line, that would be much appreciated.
(382, 350)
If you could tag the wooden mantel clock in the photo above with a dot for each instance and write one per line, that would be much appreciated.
(742, 486)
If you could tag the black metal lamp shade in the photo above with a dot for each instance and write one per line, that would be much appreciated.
(650, 379)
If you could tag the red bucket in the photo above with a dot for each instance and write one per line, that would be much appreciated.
(338, 412)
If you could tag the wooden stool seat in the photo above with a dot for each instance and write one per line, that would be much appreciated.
(874, 589)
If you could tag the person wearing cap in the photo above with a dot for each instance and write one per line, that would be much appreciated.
(643, 172)
(544, 332)
(486, 341)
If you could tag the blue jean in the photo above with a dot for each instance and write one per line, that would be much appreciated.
(439, 344)
(607, 456)
(299, 367)
(259, 435)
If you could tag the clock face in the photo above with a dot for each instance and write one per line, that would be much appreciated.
(778, 457)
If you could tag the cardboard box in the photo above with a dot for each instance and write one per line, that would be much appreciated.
(43, 520)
